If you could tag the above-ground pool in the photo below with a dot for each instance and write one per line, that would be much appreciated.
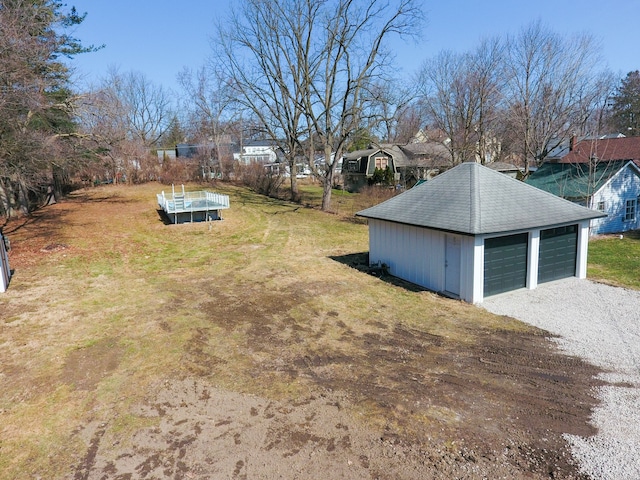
(200, 206)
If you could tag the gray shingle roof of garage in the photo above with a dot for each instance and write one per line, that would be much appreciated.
(473, 199)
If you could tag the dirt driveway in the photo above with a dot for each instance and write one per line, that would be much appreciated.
(600, 324)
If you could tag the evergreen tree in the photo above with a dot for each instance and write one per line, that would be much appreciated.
(625, 111)
(382, 177)
(361, 140)
(174, 135)
(36, 103)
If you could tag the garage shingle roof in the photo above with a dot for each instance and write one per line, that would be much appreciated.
(475, 200)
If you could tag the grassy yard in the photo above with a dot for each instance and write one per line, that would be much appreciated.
(616, 260)
(108, 304)
(343, 203)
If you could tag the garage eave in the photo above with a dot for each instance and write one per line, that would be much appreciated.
(471, 199)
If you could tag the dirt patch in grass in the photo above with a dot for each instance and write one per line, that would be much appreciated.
(85, 367)
(256, 347)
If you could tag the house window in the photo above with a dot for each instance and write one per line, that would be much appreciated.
(253, 158)
(630, 211)
(601, 206)
(382, 162)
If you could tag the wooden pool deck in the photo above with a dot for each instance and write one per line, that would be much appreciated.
(186, 207)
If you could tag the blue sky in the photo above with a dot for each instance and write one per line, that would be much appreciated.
(160, 37)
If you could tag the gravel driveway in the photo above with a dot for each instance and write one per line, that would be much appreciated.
(600, 324)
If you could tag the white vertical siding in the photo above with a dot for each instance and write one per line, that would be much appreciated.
(583, 247)
(623, 186)
(411, 253)
(533, 257)
(418, 255)
(472, 269)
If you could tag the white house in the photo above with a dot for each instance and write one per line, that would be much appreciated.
(619, 198)
(472, 232)
(258, 151)
(611, 187)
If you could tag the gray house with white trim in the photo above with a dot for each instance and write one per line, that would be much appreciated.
(472, 232)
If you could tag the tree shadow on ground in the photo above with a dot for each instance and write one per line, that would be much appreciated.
(360, 261)
(43, 222)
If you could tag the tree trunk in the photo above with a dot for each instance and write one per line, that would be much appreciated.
(295, 191)
(328, 180)
(326, 190)
(5, 195)
(60, 181)
(14, 197)
(22, 205)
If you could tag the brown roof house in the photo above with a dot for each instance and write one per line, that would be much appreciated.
(472, 232)
(603, 150)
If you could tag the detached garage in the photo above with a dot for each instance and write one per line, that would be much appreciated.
(472, 232)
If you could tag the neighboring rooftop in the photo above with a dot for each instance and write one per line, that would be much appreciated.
(564, 146)
(573, 181)
(427, 154)
(607, 149)
(473, 199)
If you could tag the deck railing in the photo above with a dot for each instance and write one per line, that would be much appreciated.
(192, 201)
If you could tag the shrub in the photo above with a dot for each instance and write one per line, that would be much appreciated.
(260, 179)
(382, 177)
(179, 171)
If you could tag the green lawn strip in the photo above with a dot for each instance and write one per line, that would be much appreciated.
(616, 260)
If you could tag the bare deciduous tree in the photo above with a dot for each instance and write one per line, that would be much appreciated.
(104, 123)
(407, 124)
(487, 77)
(393, 114)
(210, 104)
(147, 107)
(308, 68)
(460, 95)
(268, 51)
(125, 117)
(448, 102)
(552, 88)
(352, 60)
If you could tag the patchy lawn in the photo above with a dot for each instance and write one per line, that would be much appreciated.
(259, 347)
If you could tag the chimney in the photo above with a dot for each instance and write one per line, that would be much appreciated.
(572, 143)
